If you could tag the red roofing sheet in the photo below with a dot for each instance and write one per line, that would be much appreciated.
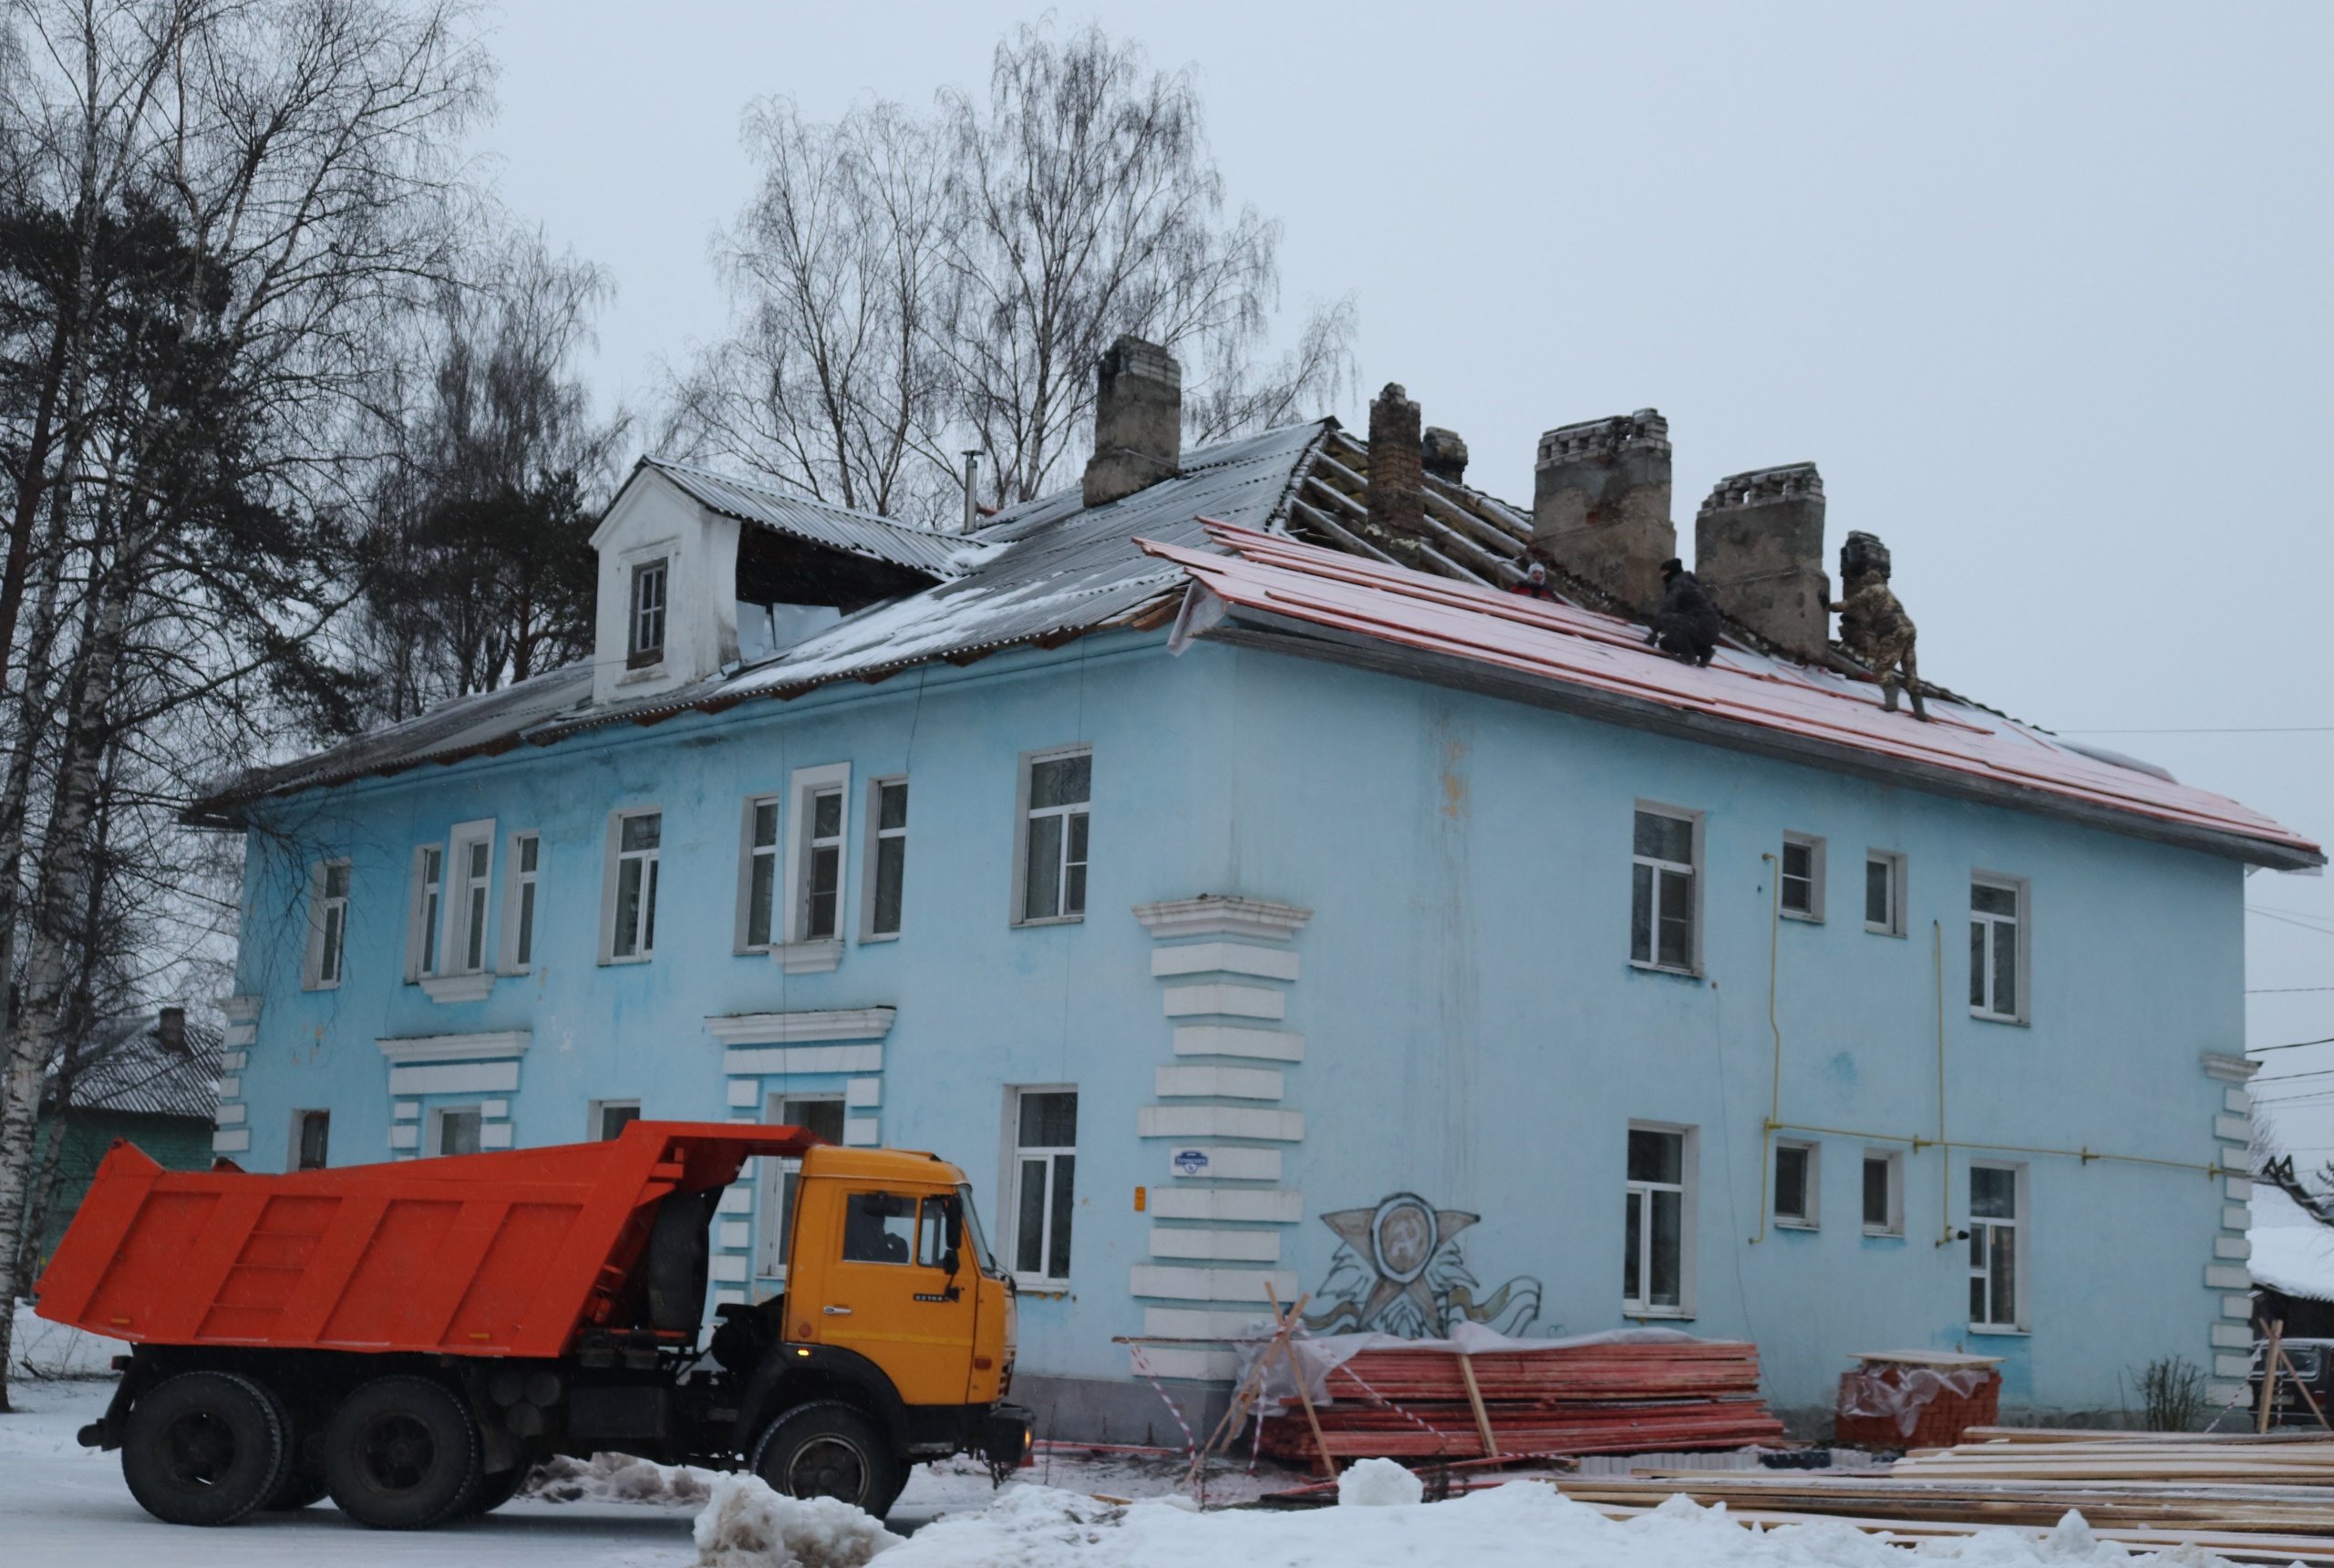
(1559, 642)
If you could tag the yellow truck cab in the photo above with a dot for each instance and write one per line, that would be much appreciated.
(893, 1338)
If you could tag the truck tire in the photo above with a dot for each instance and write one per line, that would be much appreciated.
(830, 1450)
(203, 1448)
(302, 1482)
(401, 1453)
(496, 1490)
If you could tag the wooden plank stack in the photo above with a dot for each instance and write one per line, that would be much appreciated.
(1415, 1404)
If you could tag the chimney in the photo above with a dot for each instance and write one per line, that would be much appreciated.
(1138, 421)
(972, 489)
(1397, 471)
(1759, 551)
(1600, 503)
(169, 1030)
(1445, 455)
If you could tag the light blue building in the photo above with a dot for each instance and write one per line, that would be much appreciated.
(1288, 911)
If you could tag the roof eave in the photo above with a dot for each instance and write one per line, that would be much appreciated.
(1244, 627)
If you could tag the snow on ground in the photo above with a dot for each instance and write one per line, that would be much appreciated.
(40, 1349)
(63, 1504)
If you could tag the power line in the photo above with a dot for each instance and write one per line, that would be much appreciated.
(2295, 1046)
(2241, 729)
(2282, 990)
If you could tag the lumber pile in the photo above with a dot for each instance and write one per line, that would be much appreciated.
(2255, 1499)
(1421, 1404)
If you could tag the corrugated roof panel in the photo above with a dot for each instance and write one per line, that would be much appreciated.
(924, 549)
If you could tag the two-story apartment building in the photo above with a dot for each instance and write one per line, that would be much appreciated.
(1215, 862)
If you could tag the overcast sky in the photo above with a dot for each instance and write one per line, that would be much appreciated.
(2043, 289)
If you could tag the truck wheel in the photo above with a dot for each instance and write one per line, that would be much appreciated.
(830, 1450)
(401, 1453)
(496, 1490)
(304, 1470)
(203, 1448)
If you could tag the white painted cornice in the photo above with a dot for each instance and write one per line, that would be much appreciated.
(788, 1028)
(420, 1049)
(1222, 914)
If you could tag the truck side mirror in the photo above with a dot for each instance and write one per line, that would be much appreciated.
(948, 1261)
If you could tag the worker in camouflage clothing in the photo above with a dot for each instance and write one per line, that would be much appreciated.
(1872, 625)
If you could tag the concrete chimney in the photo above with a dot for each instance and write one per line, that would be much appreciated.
(1138, 421)
(1600, 503)
(1759, 551)
(170, 1029)
(1396, 465)
(1445, 455)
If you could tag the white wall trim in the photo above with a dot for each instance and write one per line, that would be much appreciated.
(416, 1048)
(2218, 1065)
(1233, 1001)
(472, 987)
(242, 1009)
(1232, 1083)
(1228, 1040)
(1222, 914)
(783, 1028)
(1198, 1122)
(1228, 958)
(784, 1061)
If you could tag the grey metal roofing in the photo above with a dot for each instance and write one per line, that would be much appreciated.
(924, 549)
(137, 1075)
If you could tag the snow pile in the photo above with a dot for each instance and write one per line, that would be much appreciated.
(44, 1349)
(748, 1525)
(616, 1478)
(1522, 1523)
(1378, 1483)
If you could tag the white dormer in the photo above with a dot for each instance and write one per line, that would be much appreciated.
(669, 591)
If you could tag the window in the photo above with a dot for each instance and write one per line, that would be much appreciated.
(1655, 1277)
(1796, 1186)
(1883, 893)
(1995, 1252)
(1884, 1192)
(1802, 891)
(1058, 790)
(1661, 898)
(520, 899)
(761, 872)
(311, 1138)
(887, 858)
(1997, 932)
(422, 936)
(878, 1228)
(327, 925)
(611, 1117)
(1045, 1184)
(473, 860)
(645, 642)
(823, 866)
(631, 891)
(779, 1176)
(454, 1130)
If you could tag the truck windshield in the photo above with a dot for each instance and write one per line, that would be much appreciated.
(973, 1229)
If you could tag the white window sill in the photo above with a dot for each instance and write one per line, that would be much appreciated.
(459, 988)
(879, 937)
(1053, 920)
(1870, 1235)
(1985, 1017)
(1872, 930)
(2003, 1333)
(637, 675)
(809, 957)
(320, 986)
(1797, 1225)
(1049, 1289)
(1663, 1314)
(1643, 967)
(628, 958)
(1802, 916)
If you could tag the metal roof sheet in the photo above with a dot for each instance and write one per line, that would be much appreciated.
(924, 549)
(137, 1074)
(1352, 610)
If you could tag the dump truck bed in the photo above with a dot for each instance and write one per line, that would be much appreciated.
(510, 1253)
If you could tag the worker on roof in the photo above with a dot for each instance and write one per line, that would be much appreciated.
(1534, 584)
(1872, 625)
(1685, 627)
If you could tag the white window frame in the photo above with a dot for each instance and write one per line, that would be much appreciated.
(2020, 1249)
(597, 1117)
(2022, 947)
(1689, 1170)
(1695, 820)
(748, 852)
(467, 897)
(424, 914)
(433, 1127)
(518, 914)
(1813, 1190)
(1813, 845)
(1021, 816)
(299, 1138)
(873, 836)
(327, 927)
(800, 785)
(769, 1199)
(1010, 1185)
(1895, 925)
(638, 572)
(611, 870)
(1894, 1160)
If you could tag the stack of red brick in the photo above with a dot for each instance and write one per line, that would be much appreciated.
(1582, 1400)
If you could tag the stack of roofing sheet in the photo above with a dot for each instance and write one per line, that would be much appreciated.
(1599, 1398)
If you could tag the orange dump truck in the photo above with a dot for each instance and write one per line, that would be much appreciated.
(410, 1338)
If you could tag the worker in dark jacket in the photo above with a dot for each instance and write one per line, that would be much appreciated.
(1685, 627)
(1534, 584)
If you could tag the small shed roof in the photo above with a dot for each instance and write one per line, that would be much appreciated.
(136, 1074)
(860, 533)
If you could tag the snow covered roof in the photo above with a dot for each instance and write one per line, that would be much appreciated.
(924, 549)
(2291, 1252)
(1277, 593)
(138, 1074)
(1427, 608)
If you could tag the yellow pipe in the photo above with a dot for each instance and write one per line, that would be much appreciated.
(1775, 1097)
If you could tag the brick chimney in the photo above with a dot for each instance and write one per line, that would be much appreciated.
(1396, 465)
(1138, 421)
(1600, 503)
(1445, 455)
(1759, 551)
(169, 1030)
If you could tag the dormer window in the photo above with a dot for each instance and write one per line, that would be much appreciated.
(647, 634)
